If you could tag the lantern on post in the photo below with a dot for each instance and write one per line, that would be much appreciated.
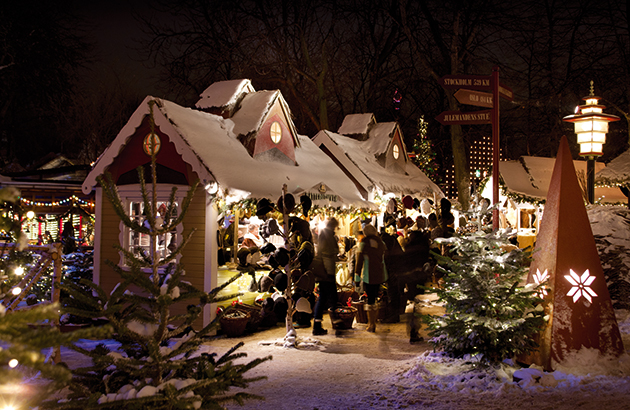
(591, 126)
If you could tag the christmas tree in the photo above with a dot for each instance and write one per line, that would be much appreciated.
(155, 359)
(423, 154)
(30, 340)
(490, 312)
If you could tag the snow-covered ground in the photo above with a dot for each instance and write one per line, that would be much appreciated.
(585, 381)
(360, 370)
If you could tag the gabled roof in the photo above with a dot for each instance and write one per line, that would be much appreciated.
(529, 177)
(209, 144)
(356, 124)
(224, 94)
(380, 137)
(617, 171)
(359, 159)
(253, 111)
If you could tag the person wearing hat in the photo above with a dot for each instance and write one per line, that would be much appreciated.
(327, 250)
(370, 269)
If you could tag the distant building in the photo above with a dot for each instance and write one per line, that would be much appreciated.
(480, 161)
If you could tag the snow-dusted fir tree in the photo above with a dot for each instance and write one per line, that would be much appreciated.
(489, 310)
(156, 360)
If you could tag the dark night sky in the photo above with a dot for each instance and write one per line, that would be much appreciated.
(112, 27)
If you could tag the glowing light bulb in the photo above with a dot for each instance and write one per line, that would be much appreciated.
(19, 271)
(30, 214)
(13, 363)
(16, 290)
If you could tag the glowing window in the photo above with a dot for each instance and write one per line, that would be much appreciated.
(148, 141)
(395, 151)
(275, 132)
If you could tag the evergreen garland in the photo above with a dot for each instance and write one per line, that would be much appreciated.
(490, 313)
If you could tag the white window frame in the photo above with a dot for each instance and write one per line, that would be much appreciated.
(131, 194)
(396, 151)
(275, 132)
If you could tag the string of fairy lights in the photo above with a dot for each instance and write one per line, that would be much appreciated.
(73, 199)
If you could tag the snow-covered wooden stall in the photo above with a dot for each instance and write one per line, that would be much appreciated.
(237, 142)
(616, 175)
(374, 156)
(524, 187)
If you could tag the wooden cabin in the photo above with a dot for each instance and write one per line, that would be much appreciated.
(374, 156)
(239, 143)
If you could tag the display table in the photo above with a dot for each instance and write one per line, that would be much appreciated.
(241, 285)
(526, 239)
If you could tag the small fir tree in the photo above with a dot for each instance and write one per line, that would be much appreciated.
(489, 310)
(156, 360)
(424, 157)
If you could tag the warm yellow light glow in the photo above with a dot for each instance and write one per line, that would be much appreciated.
(13, 363)
(19, 271)
(212, 187)
(30, 214)
(16, 290)
(275, 132)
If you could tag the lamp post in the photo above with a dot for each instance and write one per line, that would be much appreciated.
(591, 126)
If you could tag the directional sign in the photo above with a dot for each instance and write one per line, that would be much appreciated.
(464, 118)
(474, 82)
(506, 92)
(471, 82)
(477, 98)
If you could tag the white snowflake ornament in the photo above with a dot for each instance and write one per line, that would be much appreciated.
(581, 285)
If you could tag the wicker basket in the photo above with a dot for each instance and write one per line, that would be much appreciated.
(233, 323)
(346, 314)
(254, 316)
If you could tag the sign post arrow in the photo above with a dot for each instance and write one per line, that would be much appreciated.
(464, 118)
(474, 82)
(477, 98)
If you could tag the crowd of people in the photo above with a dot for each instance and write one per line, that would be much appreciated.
(385, 267)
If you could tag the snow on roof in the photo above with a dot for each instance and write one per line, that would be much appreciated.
(412, 182)
(252, 112)
(617, 171)
(356, 124)
(224, 93)
(530, 177)
(208, 143)
(380, 136)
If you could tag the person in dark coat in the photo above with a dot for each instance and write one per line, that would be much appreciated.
(327, 251)
(370, 269)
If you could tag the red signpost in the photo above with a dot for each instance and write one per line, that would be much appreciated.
(464, 84)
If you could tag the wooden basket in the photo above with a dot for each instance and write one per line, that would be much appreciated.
(233, 323)
(361, 316)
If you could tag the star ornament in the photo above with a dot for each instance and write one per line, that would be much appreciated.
(541, 278)
(581, 285)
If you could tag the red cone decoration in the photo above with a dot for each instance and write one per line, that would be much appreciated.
(565, 259)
